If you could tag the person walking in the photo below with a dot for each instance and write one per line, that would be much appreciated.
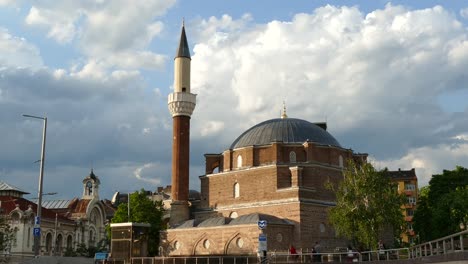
(317, 249)
(293, 253)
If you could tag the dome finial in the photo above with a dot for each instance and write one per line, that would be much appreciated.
(284, 115)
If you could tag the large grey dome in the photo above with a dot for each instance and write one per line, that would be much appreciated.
(287, 130)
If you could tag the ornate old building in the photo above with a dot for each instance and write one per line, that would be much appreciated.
(274, 173)
(65, 224)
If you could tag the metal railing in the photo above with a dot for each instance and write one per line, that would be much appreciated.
(454, 243)
(457, 242)
(283, 257)
(198, 260)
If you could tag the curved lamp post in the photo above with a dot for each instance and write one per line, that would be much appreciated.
(37, 222)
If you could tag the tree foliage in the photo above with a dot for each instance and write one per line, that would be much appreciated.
(367, 203)
(143, 210)
(7, 234)
(444, 210)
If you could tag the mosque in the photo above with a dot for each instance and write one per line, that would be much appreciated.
(268, 186)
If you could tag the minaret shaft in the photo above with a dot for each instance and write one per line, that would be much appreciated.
(180, 158)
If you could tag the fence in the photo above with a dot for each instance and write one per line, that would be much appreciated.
(457, 242)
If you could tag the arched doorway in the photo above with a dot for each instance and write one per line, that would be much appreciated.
(59, 245)
(48, 247)
(69, 242)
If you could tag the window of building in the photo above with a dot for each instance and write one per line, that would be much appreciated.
(292, 157)
(239, 161)
(409, 226)
(176, 244)
(236, 190)
(340, 161)
(206, 244)
(29, 236)
(233, 215)
(322, 228)
(411, 200)
(409, 212)
(409, 186)
(240, 242)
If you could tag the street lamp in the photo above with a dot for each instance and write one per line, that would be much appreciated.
(37, 222)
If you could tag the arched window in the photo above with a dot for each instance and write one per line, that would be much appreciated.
(340, 161)
(233, 215)
(292, 157)
(236, 190)
(239, 161)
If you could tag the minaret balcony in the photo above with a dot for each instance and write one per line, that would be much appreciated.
(181, 103)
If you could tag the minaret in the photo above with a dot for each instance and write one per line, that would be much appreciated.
(181, 105)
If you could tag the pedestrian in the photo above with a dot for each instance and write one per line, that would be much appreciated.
(318, 250)
(381, 249)
(313, 255)
(350, 254)
(293, 253)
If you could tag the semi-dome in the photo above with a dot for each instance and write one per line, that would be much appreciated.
(286, 130)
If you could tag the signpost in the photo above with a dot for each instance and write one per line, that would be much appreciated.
(262, 224)
(37, 231)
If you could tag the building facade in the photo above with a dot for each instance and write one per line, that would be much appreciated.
(407, 183)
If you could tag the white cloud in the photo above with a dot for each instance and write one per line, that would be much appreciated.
(18, 52)
(375, 77)
(60, 25)
(116, 33)
(464, 13)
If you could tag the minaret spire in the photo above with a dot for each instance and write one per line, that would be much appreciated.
(183, 50)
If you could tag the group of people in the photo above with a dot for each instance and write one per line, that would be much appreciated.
(315, 257)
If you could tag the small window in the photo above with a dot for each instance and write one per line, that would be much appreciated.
(409, 186)
(239, 161)
(184, 89)
(412, 200)
(340, 161)
(206, 244)
(292, 157)
(236, 190)
(409, 212)
(233, 215)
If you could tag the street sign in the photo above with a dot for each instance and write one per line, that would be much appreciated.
(262, 224)
(262, 242)
(37, 231)
(37, 220)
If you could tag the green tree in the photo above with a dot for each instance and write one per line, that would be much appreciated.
(423, 211)
(445, 209)
(143, 210)
(7, 234)
(367, 204)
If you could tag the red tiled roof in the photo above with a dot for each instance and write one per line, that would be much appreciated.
(9, 204)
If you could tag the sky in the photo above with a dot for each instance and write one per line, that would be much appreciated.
(389, 78)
